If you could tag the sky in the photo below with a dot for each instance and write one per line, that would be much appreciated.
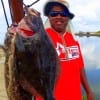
(87, 14)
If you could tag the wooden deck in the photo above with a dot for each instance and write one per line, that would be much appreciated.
(3, 95)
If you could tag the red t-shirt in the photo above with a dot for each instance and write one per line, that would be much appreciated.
(68, 84)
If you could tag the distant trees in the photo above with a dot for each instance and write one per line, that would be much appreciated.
(98, 32)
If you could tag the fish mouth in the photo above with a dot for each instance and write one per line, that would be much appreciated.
(27, 33)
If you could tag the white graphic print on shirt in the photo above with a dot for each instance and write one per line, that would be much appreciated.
(72, 51)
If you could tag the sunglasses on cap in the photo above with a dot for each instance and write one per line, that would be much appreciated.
(56, 13)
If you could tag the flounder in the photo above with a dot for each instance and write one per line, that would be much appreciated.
(31, 60)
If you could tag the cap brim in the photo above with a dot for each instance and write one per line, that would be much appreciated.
(50, 4)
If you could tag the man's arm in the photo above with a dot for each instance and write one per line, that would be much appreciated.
(85, 85)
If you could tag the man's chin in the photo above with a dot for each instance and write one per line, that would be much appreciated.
(59, 30)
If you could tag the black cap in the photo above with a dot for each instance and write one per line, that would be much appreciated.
(52, 3)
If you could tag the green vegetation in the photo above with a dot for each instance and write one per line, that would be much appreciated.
(98, 32)
(84, 97)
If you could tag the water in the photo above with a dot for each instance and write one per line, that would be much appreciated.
(91, 55)
(90, 50)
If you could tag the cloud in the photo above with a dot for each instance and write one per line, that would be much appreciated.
(87, 15)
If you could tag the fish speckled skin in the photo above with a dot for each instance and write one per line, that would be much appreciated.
(33, 62)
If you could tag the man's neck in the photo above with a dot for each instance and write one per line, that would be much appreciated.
(61, 32)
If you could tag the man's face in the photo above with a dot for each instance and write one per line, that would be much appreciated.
(57, 19)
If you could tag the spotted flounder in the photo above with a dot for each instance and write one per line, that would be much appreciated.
(31, 60)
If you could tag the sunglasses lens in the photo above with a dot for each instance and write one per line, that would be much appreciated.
(55, 13)
(63, 14)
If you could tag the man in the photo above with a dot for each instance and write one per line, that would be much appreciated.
(72, 73)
